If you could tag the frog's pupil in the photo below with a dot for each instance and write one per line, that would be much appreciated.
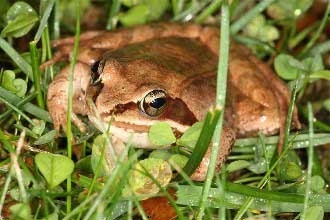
(158, 103)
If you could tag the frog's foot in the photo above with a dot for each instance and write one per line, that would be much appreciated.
(59, 117)
(58, 93)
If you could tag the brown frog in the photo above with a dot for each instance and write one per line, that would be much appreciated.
(165, 72)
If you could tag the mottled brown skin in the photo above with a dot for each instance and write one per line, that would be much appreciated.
(180, 59)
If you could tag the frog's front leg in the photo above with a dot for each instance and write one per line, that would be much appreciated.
(57, 97)
(226, 143)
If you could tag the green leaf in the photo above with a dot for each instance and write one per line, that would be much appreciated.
(259, 166)
(314, 213)
(39, 127)
(142, 184)
(17, 86)
(142, 11)
(314, 63)
(20, 211)
(322, 74)
(160, 154)
(20, 86)
(21, 17)
(178, 159)
(318, 183)
(54, 167)
(156, 8)
(293, 171)
(161, 134)
(258, 28)
(46, 138)
(135, 15)
(8, 77)
(237, 165)
(52, 216)
(286, 66)
(190, 136)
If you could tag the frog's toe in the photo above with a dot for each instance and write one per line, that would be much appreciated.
(59, 120)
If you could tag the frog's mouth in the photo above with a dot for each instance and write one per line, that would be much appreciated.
(130, 125)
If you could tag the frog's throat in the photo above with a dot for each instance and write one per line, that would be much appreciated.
(136, 134)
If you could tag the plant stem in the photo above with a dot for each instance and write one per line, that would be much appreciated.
(310, 159)
(36, 73)
(70, 96)
(220, 103)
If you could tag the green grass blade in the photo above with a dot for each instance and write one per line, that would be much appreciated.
(28, 107)
(44, 19)
(16, 57)
(242, 21)
(220, 103)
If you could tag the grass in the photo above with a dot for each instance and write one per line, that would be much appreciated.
(262, 179)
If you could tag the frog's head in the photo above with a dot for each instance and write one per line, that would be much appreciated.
(147, 83)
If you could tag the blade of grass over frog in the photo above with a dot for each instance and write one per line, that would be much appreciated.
(317, 34)
(44, 19)
(114, 10)
(69, 134)
(215, 5)
(220, 103)
(243, 20)
(28, 107)
(310, 160)
(203, 141)
(16, 57)
(36, 73)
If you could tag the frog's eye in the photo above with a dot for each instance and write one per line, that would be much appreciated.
(96, 71)
(153, 104)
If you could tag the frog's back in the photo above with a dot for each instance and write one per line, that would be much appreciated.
(174, 55)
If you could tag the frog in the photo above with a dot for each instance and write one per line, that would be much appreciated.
(132, 78)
